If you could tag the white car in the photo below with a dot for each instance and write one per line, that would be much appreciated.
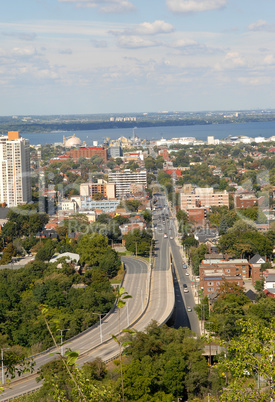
(189, 309)
(186, 273)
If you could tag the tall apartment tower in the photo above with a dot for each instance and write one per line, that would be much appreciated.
(15, 179)
(123, 180)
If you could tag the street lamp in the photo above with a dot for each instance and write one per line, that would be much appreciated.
(100, 326)
(61, 345)
(2, 364)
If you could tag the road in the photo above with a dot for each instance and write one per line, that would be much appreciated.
(160, 308)
(135, 283)
(182, 317)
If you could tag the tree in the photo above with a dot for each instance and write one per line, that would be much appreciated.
(8, 253)
(250, 355)
(98, 196)
(92, 248)
(45, 253)
(110, 263)
(138, 241)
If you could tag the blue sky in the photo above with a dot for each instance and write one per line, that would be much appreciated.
(115, 56)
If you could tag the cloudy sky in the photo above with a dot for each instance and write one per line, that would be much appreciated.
(115, 56)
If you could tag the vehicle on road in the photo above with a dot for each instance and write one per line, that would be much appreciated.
(171, 237)
(185, 289)
(184, 266)
(189, 309)
(186, 273)
(165, 235)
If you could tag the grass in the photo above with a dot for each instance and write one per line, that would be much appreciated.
(117, 279)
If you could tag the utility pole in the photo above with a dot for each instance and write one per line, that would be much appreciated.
(61, 345)
(2, 365)
(100, 326)
(209, 344)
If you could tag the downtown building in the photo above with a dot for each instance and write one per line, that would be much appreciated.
(15, 178)
(123, 181)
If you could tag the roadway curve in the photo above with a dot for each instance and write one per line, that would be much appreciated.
(139, 313)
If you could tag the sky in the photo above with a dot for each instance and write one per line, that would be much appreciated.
(132, 56)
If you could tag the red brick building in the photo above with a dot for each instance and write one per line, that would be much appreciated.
(239, 268)
(88, 152)
(245, 200)
(212, 283)
(196, 215)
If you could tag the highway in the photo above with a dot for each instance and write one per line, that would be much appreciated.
(183, 300)
(142, 308)
(138, 313)
(135, 285)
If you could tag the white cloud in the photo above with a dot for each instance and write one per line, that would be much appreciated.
(269, 59)
(30, 51)
(134, 42)
(261, 25)
(99, 43)
(21, 35)
(65, 51)
(231, 61)
(153, 28)
(234, 58)
(104, 6)
(189, 6)
(254, 81)
(181, 43)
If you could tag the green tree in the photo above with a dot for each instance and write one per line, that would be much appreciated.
(92, 248)
(45, 253)
(138, 241)
(110, 263)
(251, 355)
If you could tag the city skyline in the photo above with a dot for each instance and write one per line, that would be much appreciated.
(114, 56)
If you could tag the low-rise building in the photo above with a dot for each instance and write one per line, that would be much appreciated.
(211, 283)
(203, 197)
(108, 190)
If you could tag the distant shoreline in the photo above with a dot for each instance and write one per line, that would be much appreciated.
(61, 126)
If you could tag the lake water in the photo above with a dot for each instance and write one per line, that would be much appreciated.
(200, 132)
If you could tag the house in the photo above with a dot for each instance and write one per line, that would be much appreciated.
(269, 280)
(257, 259)
(255, 263)
(45, 234)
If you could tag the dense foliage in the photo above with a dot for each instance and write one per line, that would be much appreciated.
(23, 290)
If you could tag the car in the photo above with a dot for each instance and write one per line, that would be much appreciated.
(165, 235)
(186, 290)
(184, 266)
(171, 237)
(186, 273)
(189, 309)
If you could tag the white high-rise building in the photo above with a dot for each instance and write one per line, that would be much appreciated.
(15, 178)
(123, 180)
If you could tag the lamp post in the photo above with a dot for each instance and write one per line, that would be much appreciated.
(128, 323)
(61, 345)
(100, 326)
(2, 364)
